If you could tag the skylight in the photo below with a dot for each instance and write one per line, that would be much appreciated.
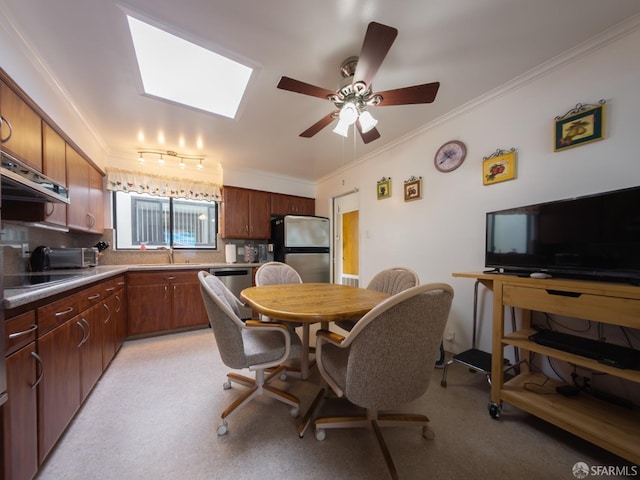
(180, 71)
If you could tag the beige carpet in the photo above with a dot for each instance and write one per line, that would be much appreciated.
(154, 414)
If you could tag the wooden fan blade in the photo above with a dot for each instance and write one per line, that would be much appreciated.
(410, 95)
(377, 42)
(319, 125)
(370, 136)
(297, 86)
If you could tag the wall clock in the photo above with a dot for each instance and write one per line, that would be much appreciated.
(450, 156)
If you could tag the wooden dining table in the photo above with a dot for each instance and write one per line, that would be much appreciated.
(309, 303)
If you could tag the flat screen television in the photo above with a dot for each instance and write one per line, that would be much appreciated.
(595, 237)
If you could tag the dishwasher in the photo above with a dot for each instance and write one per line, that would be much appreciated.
(236, 279)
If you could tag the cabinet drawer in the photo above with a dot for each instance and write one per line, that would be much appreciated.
(90, 296)
(20, 331)
(56, 313)
(161, 276)
(618, 310)
(111, 285)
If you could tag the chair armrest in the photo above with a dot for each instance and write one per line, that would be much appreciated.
(331, 337)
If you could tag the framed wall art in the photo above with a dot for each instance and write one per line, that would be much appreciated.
(384, 188)
(580, 125)
(413, 189)
(500, 166)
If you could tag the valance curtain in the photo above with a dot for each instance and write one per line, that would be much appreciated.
(126, 181)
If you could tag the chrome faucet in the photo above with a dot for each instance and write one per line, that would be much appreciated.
(169, 252)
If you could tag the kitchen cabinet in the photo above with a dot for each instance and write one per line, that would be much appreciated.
(54, 166)
(86, 193)
(292, 205)
(59, 390)
(246, 213)
(90, 347)
(114, 328)
(26, 133)
(20, 432)
(164, 300)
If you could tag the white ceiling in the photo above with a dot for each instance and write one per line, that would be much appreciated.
(469, 46)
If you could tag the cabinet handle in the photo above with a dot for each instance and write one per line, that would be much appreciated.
(6, 139)
(111, 289)
(84, 334)
(92, 220)
(64, 312)
(119, 303)
(563, 293)
(88, 327)
(93, 297)
(49, 209)
(108, 313)
(31, 328)
(171, 278)
(120, 284)
(39, 360)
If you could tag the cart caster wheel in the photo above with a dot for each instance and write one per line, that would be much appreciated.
(283, 376)
(443, 383)
(294, 412)
(428, 433)
(495, 410)
(222, 429)
(320, 434)
(226, 385)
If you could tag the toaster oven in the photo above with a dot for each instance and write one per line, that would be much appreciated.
(73, 257)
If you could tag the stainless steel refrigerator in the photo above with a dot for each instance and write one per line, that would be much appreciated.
(303, 242)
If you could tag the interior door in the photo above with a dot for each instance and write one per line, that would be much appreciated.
(346, 246)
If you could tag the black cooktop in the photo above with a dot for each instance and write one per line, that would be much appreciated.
(40, 279)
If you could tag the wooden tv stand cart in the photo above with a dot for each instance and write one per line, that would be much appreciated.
(612, 427)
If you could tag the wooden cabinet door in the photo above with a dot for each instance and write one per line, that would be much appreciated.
(120, 316)
(90, 348)
(54, 159)
(304, 206)
(96, 201)
(109, 333)
(188, 308)
(26, 138)
(235, 212)
(259, 215)
(149, 308)
(59, 389)
(20, 415)
(78, 185)
(292, 205)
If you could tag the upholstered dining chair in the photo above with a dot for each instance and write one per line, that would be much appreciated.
(386, 360)
(251, 344)
(277, 273)
(392, 280)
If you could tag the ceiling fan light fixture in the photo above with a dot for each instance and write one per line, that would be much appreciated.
(342, 128)
(367, 122)
(349, 113)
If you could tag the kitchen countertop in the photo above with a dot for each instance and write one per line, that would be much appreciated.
(15, 297)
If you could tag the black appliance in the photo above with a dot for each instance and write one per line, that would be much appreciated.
(595, 236)
(39, 259)
(303, 241)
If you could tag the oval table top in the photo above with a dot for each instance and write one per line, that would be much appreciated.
(312, 302)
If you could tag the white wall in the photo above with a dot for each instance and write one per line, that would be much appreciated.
(444, 231)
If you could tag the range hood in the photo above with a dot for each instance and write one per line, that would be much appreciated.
(23, 183)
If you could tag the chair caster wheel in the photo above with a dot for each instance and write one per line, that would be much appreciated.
(428, 433)
(222, 429)
(294, 411)
(226, 385)
(320, 434)
(495, 410)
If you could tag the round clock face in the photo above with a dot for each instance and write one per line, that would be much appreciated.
(450, 156)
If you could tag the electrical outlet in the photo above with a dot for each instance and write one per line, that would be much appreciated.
(25, 250)
(450, 336)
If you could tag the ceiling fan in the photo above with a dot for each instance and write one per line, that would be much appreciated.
(351, 100)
